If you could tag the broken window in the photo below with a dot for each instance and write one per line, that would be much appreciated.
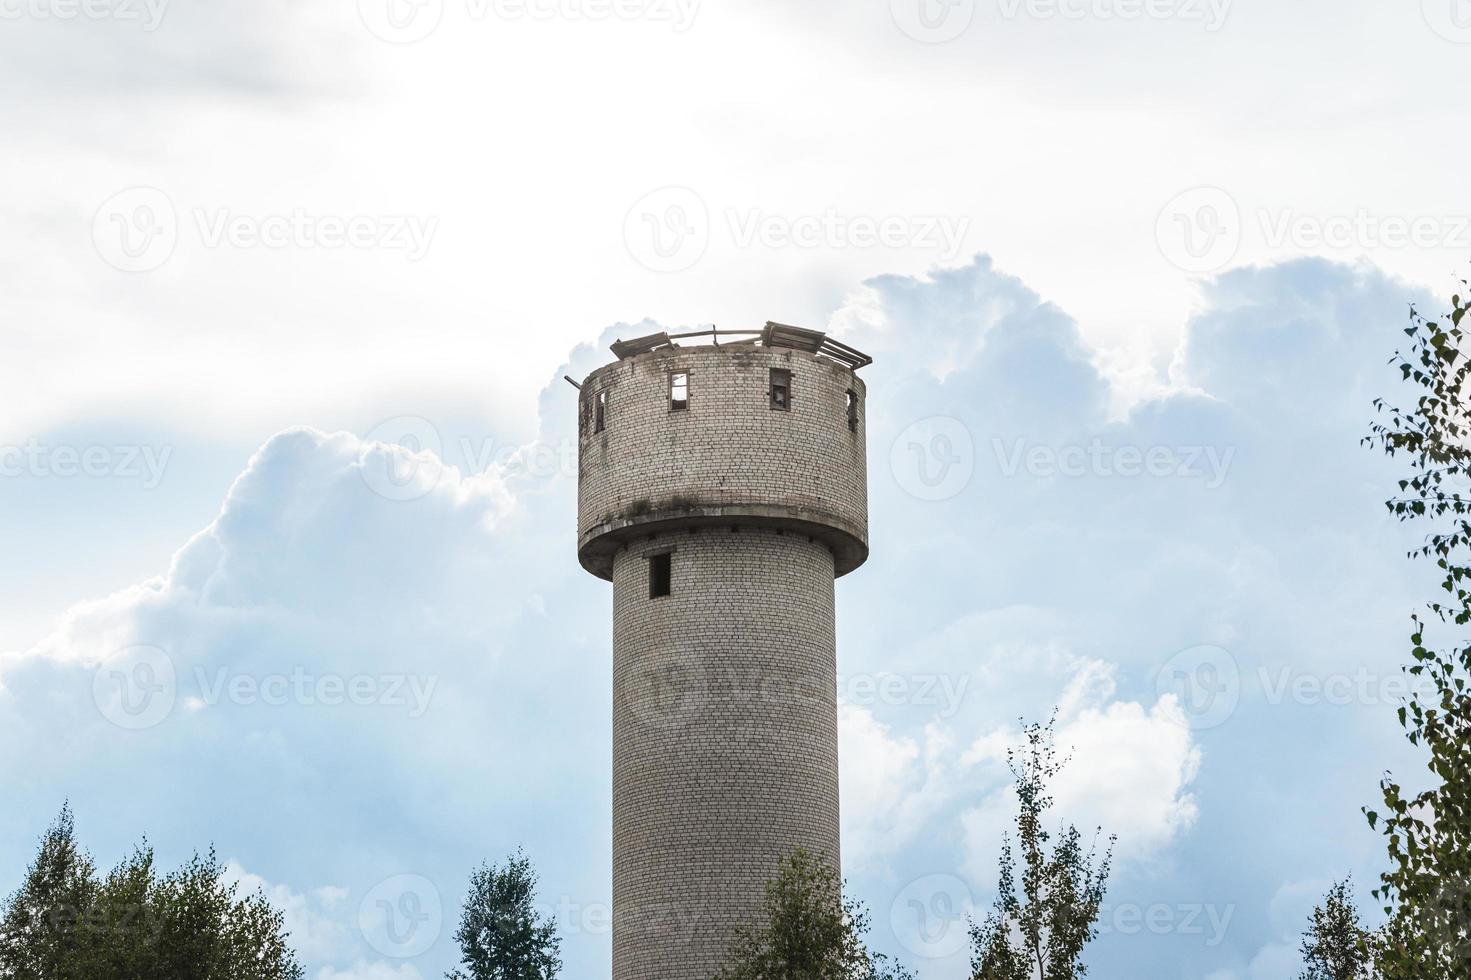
(781, 389)
(600, 412)
(852, 410)
(679, 391)
(660, 575)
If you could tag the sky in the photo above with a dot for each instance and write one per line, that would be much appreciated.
(287, 466)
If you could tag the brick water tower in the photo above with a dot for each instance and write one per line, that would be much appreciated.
(722, 488)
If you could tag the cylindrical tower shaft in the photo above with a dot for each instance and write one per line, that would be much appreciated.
(725, 739)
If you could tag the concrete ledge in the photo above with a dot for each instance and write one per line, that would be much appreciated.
(598, 544)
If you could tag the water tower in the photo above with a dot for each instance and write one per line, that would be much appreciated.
(722, 489)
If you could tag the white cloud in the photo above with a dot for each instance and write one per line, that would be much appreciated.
(1130, 773)
(892, 786)
(316, 922)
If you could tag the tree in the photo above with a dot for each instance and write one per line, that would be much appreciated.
(1426, 893)
(807, 931)
(501, 935)
(1335, 946)
(1038, 927)
(39, 929)
(63, 923)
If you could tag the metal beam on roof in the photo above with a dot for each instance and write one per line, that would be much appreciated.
(625, 349)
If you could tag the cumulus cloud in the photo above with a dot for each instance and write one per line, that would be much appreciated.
(354, 608)
(314, 920)
(1129, 772)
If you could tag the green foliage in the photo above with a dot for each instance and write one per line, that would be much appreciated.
(501, 935)
(1335, 946)
(1427, 890)
(1040, 925)
(65, 924)
(808, 931)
